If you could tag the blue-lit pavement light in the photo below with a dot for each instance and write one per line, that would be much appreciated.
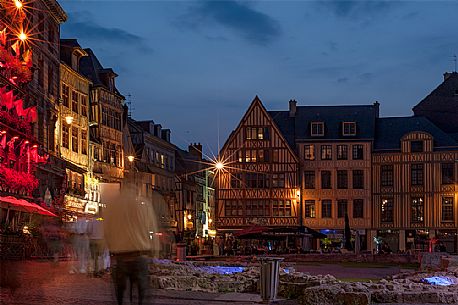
(222, 269)
(440, 280)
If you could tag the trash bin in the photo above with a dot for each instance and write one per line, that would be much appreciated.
(270, 271)
(181, 252)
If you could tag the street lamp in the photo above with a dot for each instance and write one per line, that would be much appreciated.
(219, 165)
(69, 119)
(18, 4)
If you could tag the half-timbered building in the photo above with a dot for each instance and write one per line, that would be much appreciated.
(333, 145)
(259, 184)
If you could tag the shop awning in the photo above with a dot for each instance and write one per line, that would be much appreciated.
(23, 205)
(250, 231)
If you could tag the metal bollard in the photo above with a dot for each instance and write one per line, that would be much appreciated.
(270, 278)
(181, 252)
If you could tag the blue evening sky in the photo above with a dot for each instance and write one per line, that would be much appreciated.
(195, 66)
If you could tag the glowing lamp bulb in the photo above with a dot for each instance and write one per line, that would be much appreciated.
(219, 165)
(189, 216)
(69, 119)
(22, 36)
(130, 158)
(18, 4)
(210, 220)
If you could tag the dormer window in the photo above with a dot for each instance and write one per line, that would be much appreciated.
(416, 146)
(317, 129)
(349, 128)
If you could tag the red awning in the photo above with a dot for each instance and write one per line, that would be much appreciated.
(250, 231)
(23, 205)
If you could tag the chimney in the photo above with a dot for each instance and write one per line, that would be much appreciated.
(195, 149)
(447, 75)
(377, 109)
(292, 108)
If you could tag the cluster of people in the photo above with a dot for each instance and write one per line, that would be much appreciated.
(90, 253)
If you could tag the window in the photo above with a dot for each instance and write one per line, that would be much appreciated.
(386, 175)
(84, 105)
(65, 95)
(326, 180)
(257, 133)
(84, 142)
(309, 179)
(41, 73)
(342, 179)
(326, 152)
(326, 209)
(75, 101)
(317, 129)
(233, 208)
(358, 153)
(275, 156)
(447, 209)
(447, 170)
(236, 180)
(65, 135)
(341, 208)
(281, 208)
(349, 128)
(416, 172)
(358, 208)
(278, 180)
(51, 37)
(257, 208)
(342, 152)
(75, 139)
(417, 209)
(309, 152)
(310, 209)
(358, 179)
(256, 155)
(256, 180)
(387, 210)
(50, 79)
(416, 146)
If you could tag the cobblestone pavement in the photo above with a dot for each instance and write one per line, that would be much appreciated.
(49, 284)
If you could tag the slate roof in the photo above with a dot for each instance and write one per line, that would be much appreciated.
(91, 67)
(298, 127)
(389, 132)
(285, 124)
(441, 105)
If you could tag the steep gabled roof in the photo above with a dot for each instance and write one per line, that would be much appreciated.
(91, 67)
(389, 132)
(257, 102)
(441, 105)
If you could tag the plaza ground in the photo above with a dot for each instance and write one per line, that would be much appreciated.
(47, 283)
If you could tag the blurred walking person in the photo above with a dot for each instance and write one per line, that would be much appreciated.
(96, 245)
(129, 227)
(80, 245)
